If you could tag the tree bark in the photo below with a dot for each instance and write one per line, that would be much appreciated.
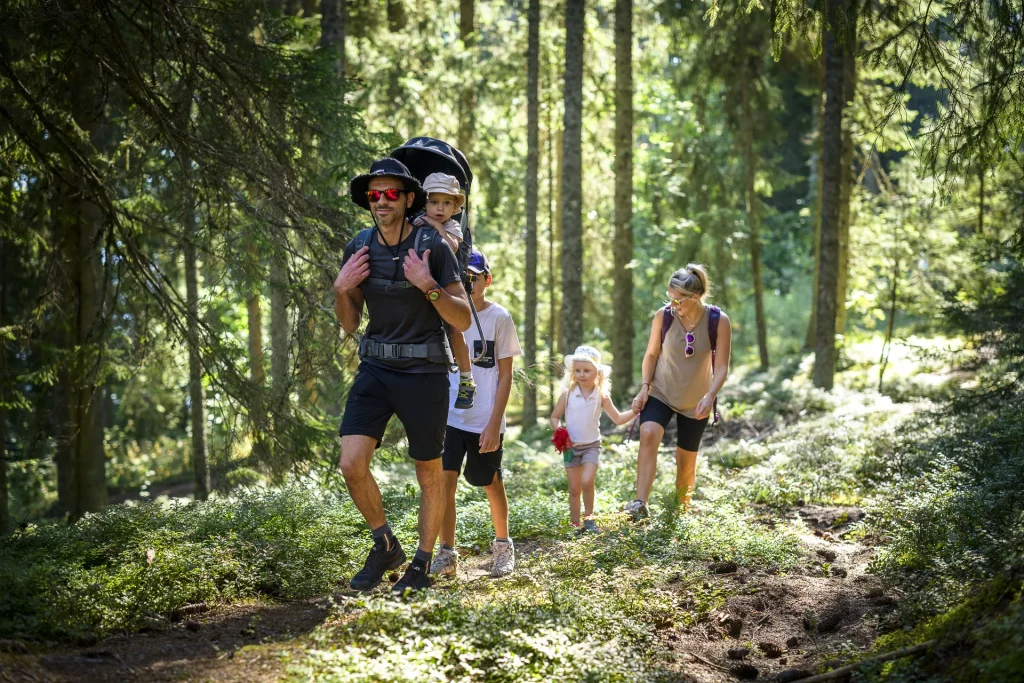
(828, 260)
(196, 393)
(3, 378)
(819, 123)
(333, 24)
(846, 168)
(258, 418)
(532, 170)
(552, 238)
(467, 95)
(279, 338)
(622, 281)
(83, 223)
(752, 208)
(572, 180)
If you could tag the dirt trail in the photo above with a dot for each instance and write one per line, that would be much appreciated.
(790, 621)
(786, 624)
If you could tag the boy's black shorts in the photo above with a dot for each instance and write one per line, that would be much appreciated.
(420, 400)
(480, 467)
(688, 430)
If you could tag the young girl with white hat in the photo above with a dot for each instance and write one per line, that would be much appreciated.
(585, 394)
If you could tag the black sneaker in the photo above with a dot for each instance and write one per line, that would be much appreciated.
(386, 554)
(415, 579)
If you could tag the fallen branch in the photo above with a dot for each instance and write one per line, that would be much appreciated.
(708, 662)
(887, 657)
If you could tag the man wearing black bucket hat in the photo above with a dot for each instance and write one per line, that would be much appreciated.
(408, 280)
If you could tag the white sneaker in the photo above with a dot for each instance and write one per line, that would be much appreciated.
(504, 557)
(446, 562)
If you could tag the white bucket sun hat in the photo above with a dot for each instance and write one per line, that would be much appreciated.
(442, 183)
(590, 355)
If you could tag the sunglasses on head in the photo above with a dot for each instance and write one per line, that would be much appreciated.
(391, 194)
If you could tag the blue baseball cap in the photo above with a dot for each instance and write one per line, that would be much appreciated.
(478, 262)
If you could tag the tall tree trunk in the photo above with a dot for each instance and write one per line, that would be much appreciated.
(467, 95)
(751, 200)
(846, 168)
(532, 170)
(308, 8)
(819, 125)
(3, 376)
(828, 260)
(196, 393)
(552, 238)
(572, 179)
(279, 338)
(622, 292)
(82, 230)
(333, 24)
(258, 418)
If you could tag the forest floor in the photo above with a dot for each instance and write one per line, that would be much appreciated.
(771, 622)
(768, 577)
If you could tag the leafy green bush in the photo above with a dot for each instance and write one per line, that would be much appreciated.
(114, 569)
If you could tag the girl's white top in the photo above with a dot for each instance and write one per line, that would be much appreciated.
(583, 415)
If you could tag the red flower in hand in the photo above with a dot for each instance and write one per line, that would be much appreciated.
(561, 439)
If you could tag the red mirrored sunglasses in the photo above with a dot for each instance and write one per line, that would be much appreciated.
(391, 194)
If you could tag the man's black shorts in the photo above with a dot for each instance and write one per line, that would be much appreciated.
(480, 467)
(688, 430)
(420, 400)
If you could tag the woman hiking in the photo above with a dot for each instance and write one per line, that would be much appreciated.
(684, 369)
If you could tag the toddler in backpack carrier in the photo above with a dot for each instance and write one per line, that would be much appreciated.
(444, 199)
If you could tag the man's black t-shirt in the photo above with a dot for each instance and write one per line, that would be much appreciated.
(404, 316)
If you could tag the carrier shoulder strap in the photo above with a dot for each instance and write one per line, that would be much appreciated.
(363, 238)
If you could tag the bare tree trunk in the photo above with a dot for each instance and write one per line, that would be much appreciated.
(308, 8)
(279, 337)
(197, 396)
(846, 167)
(890, 324)
(572, 179)
(981, 201)
(467, 95)
(333, 20)
(532, 171)
(82, 229)
(622, 292)
(552, 238)
(819, 123)
(832, 142)
(258, 418)
(752, 208)
(3, 378)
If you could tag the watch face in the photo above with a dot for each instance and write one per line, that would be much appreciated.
(433, 295)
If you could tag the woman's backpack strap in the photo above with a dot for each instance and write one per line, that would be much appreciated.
(714, 315)
(666, 322)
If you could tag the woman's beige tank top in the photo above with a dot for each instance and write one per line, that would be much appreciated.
(681, 382)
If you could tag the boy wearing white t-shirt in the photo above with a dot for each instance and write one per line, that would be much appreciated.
(476, 435)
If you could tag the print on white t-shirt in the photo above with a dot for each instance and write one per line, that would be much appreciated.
(501, 341)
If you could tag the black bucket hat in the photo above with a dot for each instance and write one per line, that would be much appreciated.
(387, 168)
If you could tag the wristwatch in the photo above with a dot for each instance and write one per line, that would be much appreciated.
(433, 294)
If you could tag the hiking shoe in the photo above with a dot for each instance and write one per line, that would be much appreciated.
(504, 557)
(415, 579)
(385, 555)
(590, 527)
(637, 510)
(467, 392)
(446, 562)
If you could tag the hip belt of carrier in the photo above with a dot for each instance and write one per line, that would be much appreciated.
(433, 351)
